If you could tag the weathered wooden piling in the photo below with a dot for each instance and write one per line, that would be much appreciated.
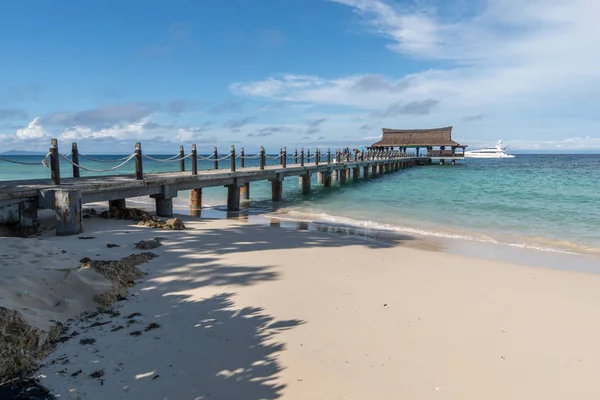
(54, 162)
(327, 179)
(121, 204)
(245, 191)
(342, 175)
(68, 212)
(305, 183)
(381, 169)
(181, 159)
(139, 169)
(233, 197)
(356, 173)
(365, 171)
(215, 158)
(374, 172)
(232, 158)
(75, 160)
(195, 202)
(164, 205)
(194, 160)
(276, 189)
(262, 157)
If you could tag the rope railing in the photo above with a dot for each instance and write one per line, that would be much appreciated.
(43, 161)
(100, 160)
(299, 157)
(175, 158)
(98, 170)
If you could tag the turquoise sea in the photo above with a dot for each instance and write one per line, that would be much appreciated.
(547, 202)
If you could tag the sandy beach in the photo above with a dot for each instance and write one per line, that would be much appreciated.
(235, 310)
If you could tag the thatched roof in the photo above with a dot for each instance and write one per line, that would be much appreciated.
(417, 137)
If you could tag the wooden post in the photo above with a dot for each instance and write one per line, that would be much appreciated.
(164, 206)
(242, 160)
(317, 156)
(327, 179)
(295, 156)
(305, 183)
(284, 158)
(381, 169)
(262, 158)
(365, 171)
(355, 173)
(302, 157)
(139, 170)
(308, 156)
(233, 197)
(181, 159)
(453, 162)
(374, 171)
(348, 154)
(68, 212)
(195, 202)
(75, 160)
(194, 160)
(232, 158)
(328, 156)
(280, 156)
(215, 158)
(54, 162)
(120, 204)
(245, 191)
(276, 189)
(342, 175)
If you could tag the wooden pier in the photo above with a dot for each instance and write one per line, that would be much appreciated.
(20, 200)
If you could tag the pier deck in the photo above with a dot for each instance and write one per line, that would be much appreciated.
(20, 200)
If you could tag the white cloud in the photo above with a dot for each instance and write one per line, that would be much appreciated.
(33, 131)
(505, 59)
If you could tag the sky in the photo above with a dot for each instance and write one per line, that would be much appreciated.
(297, 73)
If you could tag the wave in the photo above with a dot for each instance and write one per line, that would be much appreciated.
(375, 228)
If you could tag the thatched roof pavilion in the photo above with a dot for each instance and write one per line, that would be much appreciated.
(417, 138)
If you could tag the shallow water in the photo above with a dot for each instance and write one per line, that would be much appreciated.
(547, 202)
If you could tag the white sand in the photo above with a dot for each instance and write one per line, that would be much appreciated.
(254, 312)
(39, 279)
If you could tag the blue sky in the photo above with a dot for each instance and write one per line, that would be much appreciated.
(298, 72)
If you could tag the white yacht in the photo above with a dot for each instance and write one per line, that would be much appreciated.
(489, 152)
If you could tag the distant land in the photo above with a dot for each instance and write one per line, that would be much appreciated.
(22, 153)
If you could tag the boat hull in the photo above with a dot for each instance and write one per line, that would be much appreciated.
(481, 155)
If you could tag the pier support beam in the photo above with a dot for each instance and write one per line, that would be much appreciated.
(245, 191)
(335, 175)
(374, 171)
(320, 178)
(355, 173)
(233, 197)
(348, 174)
(276, 189)
(195, 202)
(67, 212)
(442, 161)
(164, 205)
(381, 169)
(119, 203)
(327, 179)
(453, 162)
(343, 174)
(365, 172)
(305, 183)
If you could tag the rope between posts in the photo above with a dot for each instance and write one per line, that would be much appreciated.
(170, 159)
(42, 161)
(273, 157)
(250, 157)
(99, 160)
(100, 170)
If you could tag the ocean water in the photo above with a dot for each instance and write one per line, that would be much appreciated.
(546, 202)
